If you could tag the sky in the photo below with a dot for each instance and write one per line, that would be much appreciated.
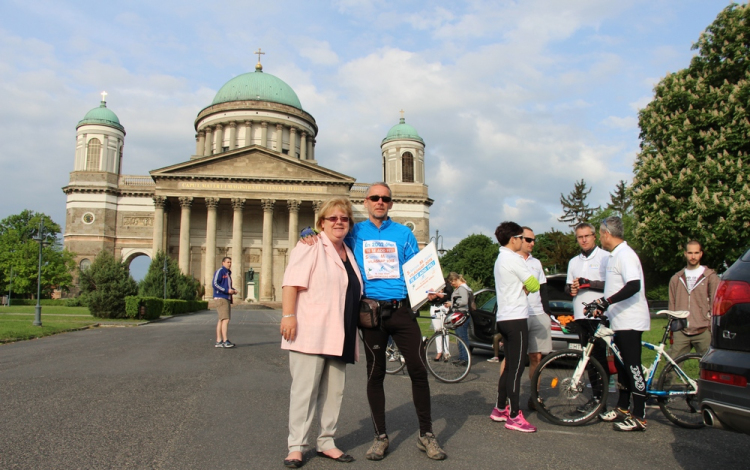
(515, 100)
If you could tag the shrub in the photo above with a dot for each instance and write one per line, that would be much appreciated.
(156, 307)
(658, 292)
(104, 286)
(179, 286)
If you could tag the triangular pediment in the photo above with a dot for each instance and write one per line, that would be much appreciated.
(253, 163)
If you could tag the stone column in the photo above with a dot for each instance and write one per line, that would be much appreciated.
(200, 143)
(312, 150)
(159, 203)
(264, 134)
(279, 138)
(237, 277)
(184, 256)
(292, 142)
(293, 206)
(266, 266)
(248, 133)
(316, 207)
(219, 138)
(303, 146)
(232, 135)
(209, 141)
(210, 264)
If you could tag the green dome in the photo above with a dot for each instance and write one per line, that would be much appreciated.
(402, 130)
(257, 86)
(102, 116)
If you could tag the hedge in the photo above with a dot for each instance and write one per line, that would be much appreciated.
(155, 307)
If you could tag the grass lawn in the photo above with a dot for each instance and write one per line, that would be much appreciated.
(16, 322)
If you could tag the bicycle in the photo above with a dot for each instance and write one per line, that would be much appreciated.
(448, 368)
(569, 387)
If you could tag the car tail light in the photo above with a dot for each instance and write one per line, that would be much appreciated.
(556, 327)
(723, 378)
(728, 294)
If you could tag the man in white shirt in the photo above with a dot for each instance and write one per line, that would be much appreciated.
(625, 302)
(540, 329)
(585, 282)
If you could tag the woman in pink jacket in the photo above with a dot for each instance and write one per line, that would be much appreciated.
(320, 304)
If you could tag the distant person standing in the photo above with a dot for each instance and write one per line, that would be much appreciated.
(460, 302)
(693, 289)
(223, 292)
(439, 304)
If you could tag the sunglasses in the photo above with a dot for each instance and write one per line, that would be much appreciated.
(529, 239)
(517, 236)
(334, 219)
(385, 199)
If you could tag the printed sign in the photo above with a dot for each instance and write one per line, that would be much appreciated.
(423, 275)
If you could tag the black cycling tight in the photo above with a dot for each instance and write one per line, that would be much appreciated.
(629, 375)
(515, 346)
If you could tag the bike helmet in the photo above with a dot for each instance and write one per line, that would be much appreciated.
(455, 319)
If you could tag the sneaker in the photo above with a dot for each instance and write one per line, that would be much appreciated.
(519, 423)
(228, 344)
(219, 344)
(615, 416)
(588, 406)
(630, 424)
(500, 415)
(494, 359)
(429, 444)
(378, 448)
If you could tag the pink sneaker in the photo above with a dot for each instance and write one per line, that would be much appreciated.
(500, 415)
(519, 424)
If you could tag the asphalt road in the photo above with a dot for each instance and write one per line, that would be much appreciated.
(161, 396)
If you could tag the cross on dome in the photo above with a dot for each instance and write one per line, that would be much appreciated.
(104, 97)
(259, 67)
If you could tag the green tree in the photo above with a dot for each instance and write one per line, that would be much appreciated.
(104, 286)
(691, 173)
(179, 286)
(575, 207)
(473, 257)
(620, 201)
(554, 249)
(19, 251)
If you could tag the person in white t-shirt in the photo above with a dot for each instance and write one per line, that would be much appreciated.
(513, 281)
(585, 282)
(625, 302)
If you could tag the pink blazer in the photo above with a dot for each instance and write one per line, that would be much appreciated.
(321, 276)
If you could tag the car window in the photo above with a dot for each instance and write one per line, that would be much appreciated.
(489, 306)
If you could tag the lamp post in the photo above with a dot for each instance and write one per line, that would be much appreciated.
(438, 239)
(165, 276)
(38, 311)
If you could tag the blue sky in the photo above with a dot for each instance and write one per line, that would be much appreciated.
(515, 99)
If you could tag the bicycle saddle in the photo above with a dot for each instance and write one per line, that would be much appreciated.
(674, 314)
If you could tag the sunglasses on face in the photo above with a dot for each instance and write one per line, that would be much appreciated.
(334, 219)
(529, 239)
(385, 199)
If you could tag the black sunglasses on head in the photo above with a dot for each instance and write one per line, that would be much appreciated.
(385, 199)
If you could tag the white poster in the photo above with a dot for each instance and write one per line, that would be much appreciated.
(423, 276)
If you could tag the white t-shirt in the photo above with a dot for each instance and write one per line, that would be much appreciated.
(510, 273)
(632, 313)
(535, 298)
(692, 275)
(593, 268)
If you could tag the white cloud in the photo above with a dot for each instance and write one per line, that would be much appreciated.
(319, 52)
(623, 123)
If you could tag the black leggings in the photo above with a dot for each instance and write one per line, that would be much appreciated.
(408, 337)
(586, 329)
(629, 375)
(516, 346)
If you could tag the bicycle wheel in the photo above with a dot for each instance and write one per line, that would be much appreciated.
(394, 361)
(449, 368)
(682, 409)
(562, 400)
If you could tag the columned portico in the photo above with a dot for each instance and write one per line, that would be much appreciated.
(210, 262)
(184, 253)
(238, 204)
(266, 273)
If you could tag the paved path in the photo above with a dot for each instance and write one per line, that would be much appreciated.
(161, 396)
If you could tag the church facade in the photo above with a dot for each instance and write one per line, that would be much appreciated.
(250, 187)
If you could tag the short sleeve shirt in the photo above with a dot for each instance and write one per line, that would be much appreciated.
(632, 313)
(593, 268)
(535, 298)
(510, 273)
(692, 276)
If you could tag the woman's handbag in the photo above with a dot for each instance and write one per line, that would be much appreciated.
(369, 313)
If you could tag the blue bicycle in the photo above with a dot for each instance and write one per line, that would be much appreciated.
(570, 387)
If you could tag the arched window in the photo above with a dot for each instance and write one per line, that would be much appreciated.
(407, 167)
(93, 155)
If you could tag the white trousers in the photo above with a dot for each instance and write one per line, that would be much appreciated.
(437, 324)
(317, 384)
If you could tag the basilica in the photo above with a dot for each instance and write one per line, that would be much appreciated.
(252, 184)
